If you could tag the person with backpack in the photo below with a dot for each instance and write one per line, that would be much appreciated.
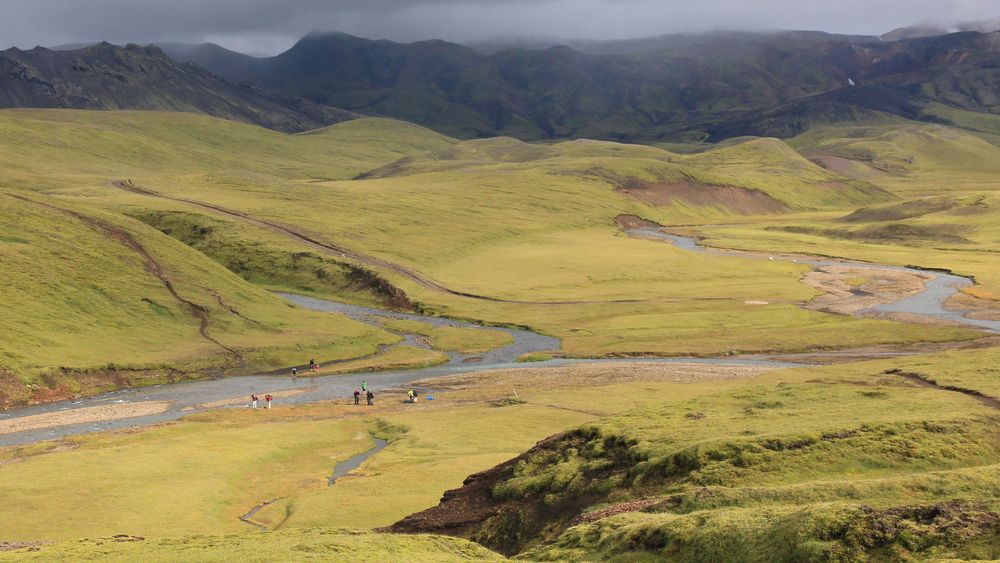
(357, 396)
(411, 397)
(268, 398)
(371, 398)
(253, 400)
(312, 364)
(295, 373)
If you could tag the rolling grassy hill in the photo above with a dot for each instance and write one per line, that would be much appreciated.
(496, 230)
(99, 300)
(538, 245)
(95, 301)
(907, 158)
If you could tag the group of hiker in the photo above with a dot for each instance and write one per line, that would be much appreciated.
(268, 398)
(369, 396)
(313, 367)
(411, 396)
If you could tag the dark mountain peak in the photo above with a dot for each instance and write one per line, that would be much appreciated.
(105, 76)
(693, 85)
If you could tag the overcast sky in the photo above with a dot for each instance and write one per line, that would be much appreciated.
(269, 26)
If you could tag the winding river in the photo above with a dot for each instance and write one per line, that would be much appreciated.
(928, 303)
(186, 398)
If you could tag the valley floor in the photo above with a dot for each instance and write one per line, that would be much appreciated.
(143, 250)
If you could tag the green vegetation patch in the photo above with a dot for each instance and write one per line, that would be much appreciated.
(831, 532)
(319, 544)
(453, 339)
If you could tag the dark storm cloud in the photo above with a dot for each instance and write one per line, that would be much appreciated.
(270, 25)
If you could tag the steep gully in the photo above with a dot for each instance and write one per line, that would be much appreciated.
(122, 237)
(342, 252)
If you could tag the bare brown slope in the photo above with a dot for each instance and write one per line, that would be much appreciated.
(741, 201)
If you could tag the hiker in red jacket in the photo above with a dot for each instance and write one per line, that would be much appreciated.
(268, 398)
(357, 396)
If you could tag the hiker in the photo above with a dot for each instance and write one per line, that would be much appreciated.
(315, 368)
(312, 364)
(364, 385)
(295, 373)
(268, 398)
(371, 398)
(411, 397)
(253, 400)
(357, 396)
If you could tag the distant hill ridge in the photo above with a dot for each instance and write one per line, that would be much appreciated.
(105, 76)
(699, 87)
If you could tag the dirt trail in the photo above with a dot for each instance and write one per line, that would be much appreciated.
(122, 237)
(342, 252)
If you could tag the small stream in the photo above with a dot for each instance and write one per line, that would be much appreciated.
(928, 303)
(345, 467)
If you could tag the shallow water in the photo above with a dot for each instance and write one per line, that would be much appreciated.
(345, 467)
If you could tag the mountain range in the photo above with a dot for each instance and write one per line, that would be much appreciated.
(106, 76)
(688, 87)
(699, 87)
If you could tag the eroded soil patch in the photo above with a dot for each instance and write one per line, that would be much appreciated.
(741, 201)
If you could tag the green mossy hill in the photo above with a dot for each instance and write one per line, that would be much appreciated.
(828, 532)
(830, 463)
(758, 169)
(44, 149)
(273, 263)
(906, 158)
(88, 293)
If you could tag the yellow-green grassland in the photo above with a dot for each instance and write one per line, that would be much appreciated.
(144, 248)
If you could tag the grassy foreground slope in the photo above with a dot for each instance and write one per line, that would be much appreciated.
(319, 544)
(859, 462)
(201, 474)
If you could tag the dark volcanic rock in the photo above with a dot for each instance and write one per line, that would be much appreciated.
(107, 77)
